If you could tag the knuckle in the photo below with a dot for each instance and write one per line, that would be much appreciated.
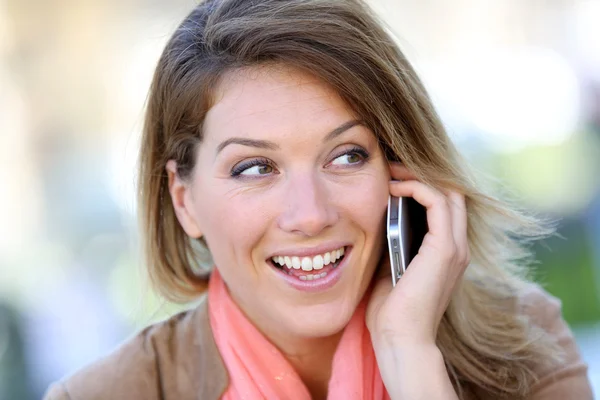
(450, 253)
(466, 256)
(440, 200)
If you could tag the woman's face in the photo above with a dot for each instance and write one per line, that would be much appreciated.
(285, 172)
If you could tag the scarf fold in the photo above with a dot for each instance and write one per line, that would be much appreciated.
(258, 370)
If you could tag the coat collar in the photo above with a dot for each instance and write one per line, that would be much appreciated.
(201, 361)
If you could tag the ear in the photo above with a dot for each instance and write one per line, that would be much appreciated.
(181, 196)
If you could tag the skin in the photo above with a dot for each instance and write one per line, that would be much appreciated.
(404, 320)
(305, 195)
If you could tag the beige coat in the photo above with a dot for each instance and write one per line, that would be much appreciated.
(178, 360)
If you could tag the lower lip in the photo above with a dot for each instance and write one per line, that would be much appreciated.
(316, 285)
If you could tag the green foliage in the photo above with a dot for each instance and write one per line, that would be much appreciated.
(567, 271)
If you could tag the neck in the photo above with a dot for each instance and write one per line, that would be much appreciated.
(311, 358)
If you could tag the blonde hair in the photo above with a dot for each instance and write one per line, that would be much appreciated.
(487, 344)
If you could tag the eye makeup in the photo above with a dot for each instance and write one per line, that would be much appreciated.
(268, 167)
(239, 168)
(355, 150)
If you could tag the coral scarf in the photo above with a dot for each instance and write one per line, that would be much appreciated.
(257, 370)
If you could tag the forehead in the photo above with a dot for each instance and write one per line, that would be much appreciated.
(278, 97)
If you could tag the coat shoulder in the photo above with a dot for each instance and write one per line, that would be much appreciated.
(157, 363)
(567, 379)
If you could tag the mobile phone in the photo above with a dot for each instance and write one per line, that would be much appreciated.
(406, 228)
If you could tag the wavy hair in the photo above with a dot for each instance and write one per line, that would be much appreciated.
(486, 341)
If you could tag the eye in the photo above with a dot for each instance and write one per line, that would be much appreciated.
(352, 157)
(254, 167)
(258, 170)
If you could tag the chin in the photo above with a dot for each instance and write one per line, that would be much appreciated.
(320, 320)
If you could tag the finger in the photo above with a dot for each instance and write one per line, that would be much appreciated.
(399, 172)
(458, 209)
(438, 213)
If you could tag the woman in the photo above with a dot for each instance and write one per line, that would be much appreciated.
(275, 131)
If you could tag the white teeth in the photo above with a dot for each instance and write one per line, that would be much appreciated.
(309, 263)
(317, 262)
(313, 277)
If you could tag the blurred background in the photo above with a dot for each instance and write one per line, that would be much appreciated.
(517, 83)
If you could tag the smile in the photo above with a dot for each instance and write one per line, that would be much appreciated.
(309, 263)
(320, 268)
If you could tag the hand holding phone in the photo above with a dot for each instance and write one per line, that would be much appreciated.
(409, 314)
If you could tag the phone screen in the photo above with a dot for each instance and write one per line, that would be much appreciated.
(415, 216)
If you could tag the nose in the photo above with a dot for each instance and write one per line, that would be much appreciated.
(308, 209)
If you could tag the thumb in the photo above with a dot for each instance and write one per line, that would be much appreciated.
(384, 267)
(382, 286)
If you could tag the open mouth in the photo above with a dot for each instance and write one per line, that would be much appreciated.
(309, 268)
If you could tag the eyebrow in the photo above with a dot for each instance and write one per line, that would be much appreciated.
(268, 145)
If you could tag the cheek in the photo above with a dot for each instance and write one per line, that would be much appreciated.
(234, 223)
(367, 202)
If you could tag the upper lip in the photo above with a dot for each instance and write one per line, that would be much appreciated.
(308, 251)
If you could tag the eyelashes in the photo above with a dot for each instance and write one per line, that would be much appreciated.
(263, 166)
(355, 151)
